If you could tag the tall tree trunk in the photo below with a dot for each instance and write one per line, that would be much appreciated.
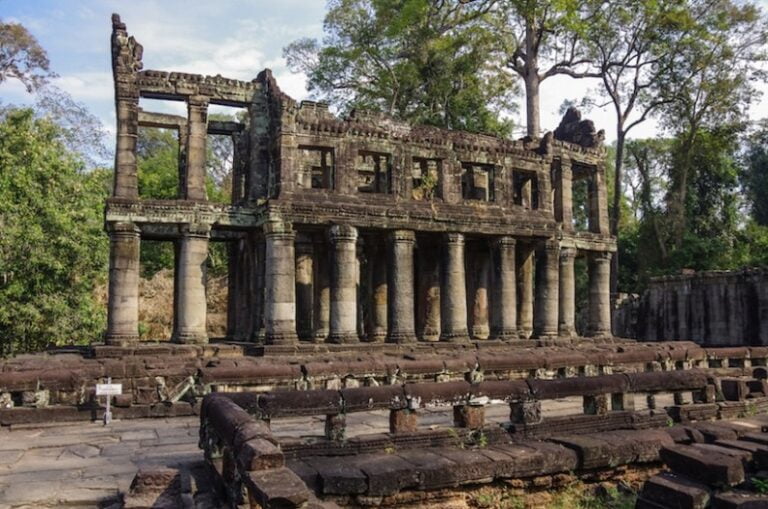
(532, 103)
(615, 212)
(532, 79)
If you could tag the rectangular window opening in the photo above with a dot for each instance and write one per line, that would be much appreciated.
(316, 167)
(526, 189)
(477, 181)
(425, 178)
(374, 171)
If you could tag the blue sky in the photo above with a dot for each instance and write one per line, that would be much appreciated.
(233, 38)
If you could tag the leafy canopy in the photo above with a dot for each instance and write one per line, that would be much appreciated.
(53, 251)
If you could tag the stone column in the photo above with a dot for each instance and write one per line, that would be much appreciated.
(547, 294)
(378, 274)
(343, 327)
(322, 291)
(304, 287)
(428, 274)
(258, 288)
(479, 302)
(567, 323)
(126, 184)
(453, 290)
(504, 290)
(123, 305)
(600, 294)
(402, 324)
(280, 284)
(525, 272)
(192, 308)
(197, 134)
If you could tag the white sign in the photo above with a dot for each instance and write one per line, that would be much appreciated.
(109, 389)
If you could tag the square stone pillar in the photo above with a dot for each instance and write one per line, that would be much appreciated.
(190, 271)
(564, 195)
(504, 290)
(343, 326)
(525, 253)
(123, 304)
(280, 284)
(547, 290)
(453, 290)
(567, 322)
(401, 320)
(197, 135)
(599, 294)
(126, 183)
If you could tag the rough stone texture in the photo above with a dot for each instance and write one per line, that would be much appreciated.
(712, 308)
(324, 179)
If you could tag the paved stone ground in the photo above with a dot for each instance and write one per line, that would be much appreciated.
(89, 464)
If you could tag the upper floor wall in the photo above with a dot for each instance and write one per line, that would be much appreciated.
(290, 152)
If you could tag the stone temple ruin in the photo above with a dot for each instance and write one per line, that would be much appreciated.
(356, 229)
(401, 330)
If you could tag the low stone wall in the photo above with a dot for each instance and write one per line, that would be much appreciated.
(169, 380)
(253, 466)
(711, 308)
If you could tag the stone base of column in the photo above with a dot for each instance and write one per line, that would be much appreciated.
(320, 336)
(505, 334)
(525, 333)
(401, 337)
(281, 338)
(567, 332)
(430, 334)
(480, 332)
(455, 337)
(121, 339)
(599, 334)
(377, 336)
(343, 338)
(191, 338)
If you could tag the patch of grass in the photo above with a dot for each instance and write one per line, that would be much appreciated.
(574, 496)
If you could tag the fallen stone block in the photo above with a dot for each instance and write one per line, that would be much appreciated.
(259, 454)
(276, 489)
(670, 490)
(739, 500)
(707, 467)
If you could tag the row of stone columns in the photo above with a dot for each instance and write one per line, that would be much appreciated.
(391, 290)
(333, 281)
(190, 310)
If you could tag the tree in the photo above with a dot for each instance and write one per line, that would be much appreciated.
(22, 57)
(426, 62)
(82, 132)
(53, 251)
(549, 33)
(754, 174)
(710, 85)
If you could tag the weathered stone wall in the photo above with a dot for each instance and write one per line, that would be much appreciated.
(711, 308)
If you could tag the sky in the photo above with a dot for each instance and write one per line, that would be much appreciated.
(234, 38)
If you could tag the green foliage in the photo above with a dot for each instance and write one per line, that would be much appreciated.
(158, 165)
(761, 485)
(426, 62)
(754, 174)
(53, 251)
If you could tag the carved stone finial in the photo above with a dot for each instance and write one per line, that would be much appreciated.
(575, 130)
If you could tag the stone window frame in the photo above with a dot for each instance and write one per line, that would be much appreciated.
(516, 194)
(390, 180)
(337, 147)
(581, 172)
(327, 150)
(493, 171)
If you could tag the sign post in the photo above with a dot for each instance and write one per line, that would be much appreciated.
(108, 389)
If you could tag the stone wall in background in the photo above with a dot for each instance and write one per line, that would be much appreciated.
(710, 308)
